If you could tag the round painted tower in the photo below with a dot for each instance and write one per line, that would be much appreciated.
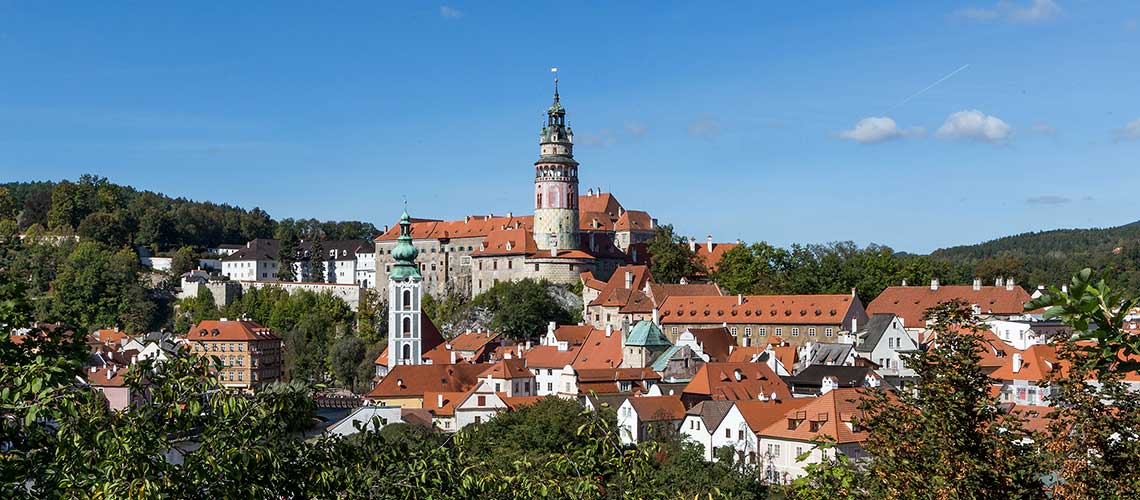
(556, 183)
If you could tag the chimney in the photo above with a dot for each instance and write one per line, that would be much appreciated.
(1016, 362)
(550, 327)
(527, 346)
(854, 325)
(934, 284)
(904, 282)
(692, 244)
(554, 251)
(628, 280)
(609, 330)
(510, 215)
(590, 192)
(1009, 284)
(439, 401)
(852, 292)
(977, 284)
(453, 357)
(656, 317)
(684, 281)
(997, 281)
(708, 243)
(740, 299)
(827, 385)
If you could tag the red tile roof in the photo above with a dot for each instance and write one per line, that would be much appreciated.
(715, 342)
(507, 242)
(573, 334)
(712, 259)
(662, 291)
(589, 281)
(634, 220)
(107, 376)
(770, 309)
(594, 221)
(217, 330)
(432, 402)
(826, 415)
(600, 202)
(658, 408)
(615, 374)
(411, 381)
(548, 356)
(1037, 362)
(110, 335)
(735, 381)
(430, 338)
(599, 351)
(470, 227)
(761, 414)
(508, 369)
(911, 302)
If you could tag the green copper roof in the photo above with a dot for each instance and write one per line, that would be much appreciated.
(646, 334)
(662, 361)
(405, 253)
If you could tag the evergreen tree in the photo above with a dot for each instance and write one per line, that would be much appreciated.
(317, 271)
(286, 256)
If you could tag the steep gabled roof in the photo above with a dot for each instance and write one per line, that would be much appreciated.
(634, 220)
(761, 414)
(734, 381)
(712, 258)
(847, 376)
(599, 351)
(1037, 362)
(911, 302)
(600, 202)
(872, 333)
(658, 408)
(715, 342)
(711, 412)
(826, 415)
(647, 334)
(549, 357)
(411, 381)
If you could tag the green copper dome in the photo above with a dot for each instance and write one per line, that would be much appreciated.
(405, 253)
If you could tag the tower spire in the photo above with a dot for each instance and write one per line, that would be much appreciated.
(555, 71)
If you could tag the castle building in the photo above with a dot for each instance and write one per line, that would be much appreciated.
(568, 234)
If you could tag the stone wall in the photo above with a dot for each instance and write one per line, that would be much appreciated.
(349, 293)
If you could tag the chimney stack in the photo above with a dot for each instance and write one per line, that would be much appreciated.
(854, 325)
(977, 284)
(740, 299)
(692, 244)
(628, 280)
(708, 243)
(1016, 362)
(656, 317)
(609, 330)
(439, 401)
(1009, 284)
(997, 281)
(934, 284)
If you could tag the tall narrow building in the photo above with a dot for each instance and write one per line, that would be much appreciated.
(405, 294)
(556, 184)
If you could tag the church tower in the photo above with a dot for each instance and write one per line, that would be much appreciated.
(556, 183)
(405, 294)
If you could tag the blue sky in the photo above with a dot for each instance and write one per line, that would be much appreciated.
(792, 122)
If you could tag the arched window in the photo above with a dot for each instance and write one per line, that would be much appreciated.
(407, 300)
(407, 327)
(569, 199)
(407, 352)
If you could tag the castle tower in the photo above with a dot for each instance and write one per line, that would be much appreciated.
(556, 183)
(405, 291)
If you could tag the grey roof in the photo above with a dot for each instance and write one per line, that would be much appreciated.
(611, 400)
(812, 376)
(345, 249)
(827, 353)
(872, 333)
(712, 412)
(259, 249)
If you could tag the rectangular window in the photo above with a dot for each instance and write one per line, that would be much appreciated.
(536, 268)
(549, 387)
(811, 332)
(779, 332)
(829, 331)
(795, 332)
(728, 433)
(674, 330)
(732, 330)
(478, 419)
(763, 331)
(748, 331)
(494, 265)
(510, 264)
(482, 401)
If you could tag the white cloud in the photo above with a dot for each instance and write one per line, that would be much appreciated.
(878, 129)
(1130, 25)
(450, 12)
(1044, 129)
(707, 127)
(1034, 12)
(1129, 132)
(975, 125)
(603, 138)
(636, 129)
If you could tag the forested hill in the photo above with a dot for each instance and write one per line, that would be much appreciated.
(1057, 243)
(1051, 257)
(118, 215)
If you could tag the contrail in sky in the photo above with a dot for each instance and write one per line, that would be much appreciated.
(928, 87)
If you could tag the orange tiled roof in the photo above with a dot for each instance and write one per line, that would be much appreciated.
(761, 414)
(826, 415)
(711, 259)
(471, 341)
(110, 335)
(911, 302)
(599, 351)
(614, 374)
(432, 402)
(516, 402)
(744, 354)
(548, 356)
(217, 330)
(600, 202)
(507, 242)
(1037, 362)
(469, 227)
(658, 408)
(573, 334)
(770, 309)
(589, 281)
(735, 381)
(107, 376)
(409, 381)
(716, 342)
(662, 291)
(594, 221)
(508, 368)
(634, 220)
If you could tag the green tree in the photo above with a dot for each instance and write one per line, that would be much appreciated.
(347, 354)
(751, 269)
(1094, 407)
(670, 259)
(317, 271)
(8, 209)
(184, 261)
(70, 204)
(949, 438)
(521, 309)
(99, 287)
(286, 256)
(372, 316)
(193, 310)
